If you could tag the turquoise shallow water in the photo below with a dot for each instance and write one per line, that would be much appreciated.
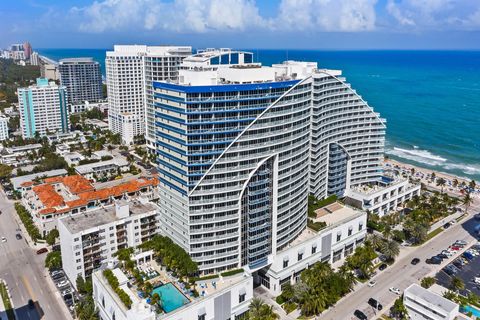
(431, 99)
(170, 296)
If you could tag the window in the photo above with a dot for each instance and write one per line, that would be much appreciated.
(360, 226)
(76, 239)
(79, 260)
(79, 267)
(339, 236)
(77, 253)
(202, 317)
(350, 231)
(111, 228)
(285, 263)
(314, 249)
(300, 256)
(241, 297)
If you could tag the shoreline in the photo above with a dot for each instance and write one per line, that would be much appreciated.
(424, 174)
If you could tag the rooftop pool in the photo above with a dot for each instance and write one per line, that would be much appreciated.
(471, 309)
(171, 298)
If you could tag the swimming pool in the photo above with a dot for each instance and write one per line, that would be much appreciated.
(471, 309)
(170, 297)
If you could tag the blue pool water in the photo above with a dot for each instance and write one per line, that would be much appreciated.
(170, 296)
(473, 310)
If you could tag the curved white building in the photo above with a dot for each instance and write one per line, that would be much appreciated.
(240, 146)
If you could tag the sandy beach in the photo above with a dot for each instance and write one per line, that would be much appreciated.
(424, 175)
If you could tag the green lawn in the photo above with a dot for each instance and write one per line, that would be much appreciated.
(434, 233)
(6, 301)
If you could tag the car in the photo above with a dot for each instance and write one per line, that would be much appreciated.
(30, 304)
(58, 276)
(382, 267)
(455, 248)
(462, 242)
(375, 304)
(433, 260)
(4, 239)
(372, 283)
(62, 283)
(360, 315)
(55, 272)
(447, 253)
(442, 255)
(415, 261)
(468, 256)
(18, 236)
(457, 264)
(394, 290)
(448, 271)
(446, 225)
(43, 250)
(67, 297)
(66, 291)
(453, 221)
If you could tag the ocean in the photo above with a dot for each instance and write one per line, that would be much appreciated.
(431, 99)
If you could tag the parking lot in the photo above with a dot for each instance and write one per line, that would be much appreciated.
(65, 288)
(466, 266)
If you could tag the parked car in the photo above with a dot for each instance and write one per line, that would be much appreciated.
(447, 253)
(375, 304)
(462, 242)
(372, 283)
(455, 248)
(382, 267)
(18, 236)
(4, 239)
(66, 291)
(442, 256)
(360, 315)
(62, 283)
(446, 225)
(468, 256)
(43, 250)
(433, 260)
(415, 261)
(458, 264)
(395, 290)
(448, 271)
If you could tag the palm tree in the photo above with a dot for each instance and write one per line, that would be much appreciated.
(390, 249)
(472, 184)
(441, 183)
(347, 274)
(449, 295)
(455, 183)
(259, 311)
(457, 284)
(376, 240)
(387, 232)
(467, 201)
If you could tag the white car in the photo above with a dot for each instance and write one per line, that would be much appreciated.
(394, 290)
(372, 283)
(4, 239)
(62, 283)
(447, 253)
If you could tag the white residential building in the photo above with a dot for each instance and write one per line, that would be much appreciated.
(83, 79)
(130, 71)
(3, 128)
(103, 168)
(240, 146)
(89, 240)
(34, 59)
(381, 197)
(87, 105)
(229, 300)
(15, 156)
(346, 228)
(43, 108)
(423, 304)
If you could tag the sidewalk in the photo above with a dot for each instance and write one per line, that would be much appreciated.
(3, 311)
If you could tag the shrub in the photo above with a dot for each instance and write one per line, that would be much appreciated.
(231, 272)
(280, 300)
(113, 282)
(317, 226)
(27, 221)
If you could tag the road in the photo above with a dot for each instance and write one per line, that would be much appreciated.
(402, 274)
(23, 271)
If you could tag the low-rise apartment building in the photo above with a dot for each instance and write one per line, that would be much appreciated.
(89, 240)
(103, 169)
(16, 156)
(3, 128)
(64, 196)
(229, 300)
(423, 304)
(345, 229)
(384, 196)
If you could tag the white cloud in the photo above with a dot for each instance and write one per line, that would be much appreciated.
(435, 14)
(327, 15)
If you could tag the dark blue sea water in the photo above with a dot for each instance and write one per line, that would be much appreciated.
(431, 99)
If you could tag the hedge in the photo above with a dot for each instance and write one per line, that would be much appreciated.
(113, 282)
(231, 272)
(6, 301)
(27, 221)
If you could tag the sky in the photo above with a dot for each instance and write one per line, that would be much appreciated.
(285, 24)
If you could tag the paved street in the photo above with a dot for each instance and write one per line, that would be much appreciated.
(24, 273)
(403, 273)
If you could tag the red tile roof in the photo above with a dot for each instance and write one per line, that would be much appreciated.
(84, 190)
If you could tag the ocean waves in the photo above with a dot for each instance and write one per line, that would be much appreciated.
(425, 157)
